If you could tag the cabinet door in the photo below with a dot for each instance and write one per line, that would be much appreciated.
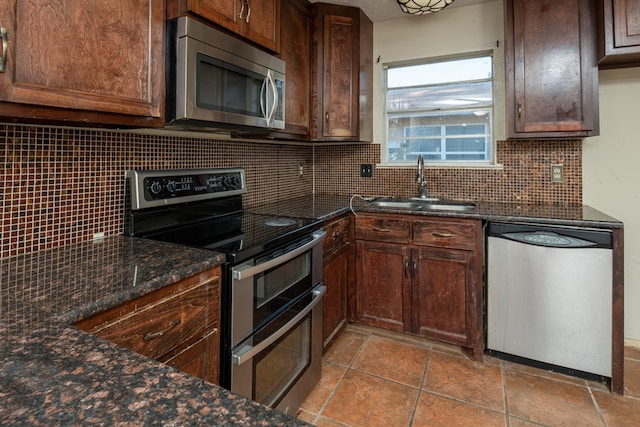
(383, 285)
(626, 17)
(336, 279)
(440, 289)
(261, 24)
(256, 20)
(339, 106)
(294, 51)
(90, 56)
(619, 33)
(222, 12)
(551, 68)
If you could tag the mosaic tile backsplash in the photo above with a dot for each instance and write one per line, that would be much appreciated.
(62, 186)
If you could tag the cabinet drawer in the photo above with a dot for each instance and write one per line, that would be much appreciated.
(383, 229)
(443, 233)
(155, 324)
(337, 234)
(199, 359)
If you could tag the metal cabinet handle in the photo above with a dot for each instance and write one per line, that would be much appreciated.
(519, 110)
(153, 335)
(246, 351)
(241, 10)
(248, 11)
(414, 269)
(381, 230)
(326, 116)
(5, 49)
(447, 235)
(406, 268)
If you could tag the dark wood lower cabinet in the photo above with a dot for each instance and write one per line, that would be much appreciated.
(383, 285)
(200, 359)
(421, 276)
(338, 276)
(440, 294)
(177, 325)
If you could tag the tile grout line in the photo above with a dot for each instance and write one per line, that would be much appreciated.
(335, 389)
(597, 407)
(424, 376)
(504, 393)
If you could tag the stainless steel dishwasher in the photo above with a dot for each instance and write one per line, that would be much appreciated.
(549, 295)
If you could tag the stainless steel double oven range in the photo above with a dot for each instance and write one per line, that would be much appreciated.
(271, 342)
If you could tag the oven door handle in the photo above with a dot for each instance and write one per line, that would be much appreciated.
(252, 270)
(247, 352)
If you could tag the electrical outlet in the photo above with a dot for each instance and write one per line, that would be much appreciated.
(366, 170)
(557, 173)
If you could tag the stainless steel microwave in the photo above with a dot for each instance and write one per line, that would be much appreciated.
(216, 81)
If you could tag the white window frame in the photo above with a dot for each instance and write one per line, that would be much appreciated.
(491, 145)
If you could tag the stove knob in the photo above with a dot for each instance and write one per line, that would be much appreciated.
(171, 186)
(235, 181)
(155, 187)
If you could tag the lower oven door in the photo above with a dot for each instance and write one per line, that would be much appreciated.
(280, 364)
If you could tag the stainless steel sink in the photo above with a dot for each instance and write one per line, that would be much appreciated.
(395, 204)
(419, 204)
(464, 206)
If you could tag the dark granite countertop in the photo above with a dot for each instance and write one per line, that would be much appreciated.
(327, 206)
(54, 374)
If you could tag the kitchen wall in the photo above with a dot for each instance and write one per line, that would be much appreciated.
(60, 186)
(611, 174)
(523, 178)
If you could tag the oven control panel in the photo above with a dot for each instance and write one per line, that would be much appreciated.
(156, 188)
(165, 187)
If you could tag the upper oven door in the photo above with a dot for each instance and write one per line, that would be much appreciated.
(219, 86)
(265, 286)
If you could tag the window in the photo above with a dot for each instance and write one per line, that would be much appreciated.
(442, 109)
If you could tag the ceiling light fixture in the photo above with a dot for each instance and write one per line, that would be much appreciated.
(420, 7)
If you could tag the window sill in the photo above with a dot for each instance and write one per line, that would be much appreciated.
(478, 166)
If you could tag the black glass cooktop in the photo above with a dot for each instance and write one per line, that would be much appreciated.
(240, 235)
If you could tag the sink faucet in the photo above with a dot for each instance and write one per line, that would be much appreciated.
(420, 177)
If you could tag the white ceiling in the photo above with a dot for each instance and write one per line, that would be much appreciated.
(384, 10)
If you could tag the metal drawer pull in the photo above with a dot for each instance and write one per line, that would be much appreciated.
(248, 11)
(382, 230)
(5, 49)
(436, 234)
(406, 269)
(251, 270)
(153, 335)
(246, 351)
(241, 10)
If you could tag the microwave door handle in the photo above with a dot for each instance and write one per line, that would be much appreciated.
(247, 352)
(252, 270)
(274, 90)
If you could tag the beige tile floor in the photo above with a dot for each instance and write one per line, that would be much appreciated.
(377, 378)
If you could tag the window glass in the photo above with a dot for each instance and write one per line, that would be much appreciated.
(441, 109)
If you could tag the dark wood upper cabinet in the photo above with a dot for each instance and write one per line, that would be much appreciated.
(98, 62)
(618, 33)
(341, 74)
(551, 69)
(255, 20)
(295, 33)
